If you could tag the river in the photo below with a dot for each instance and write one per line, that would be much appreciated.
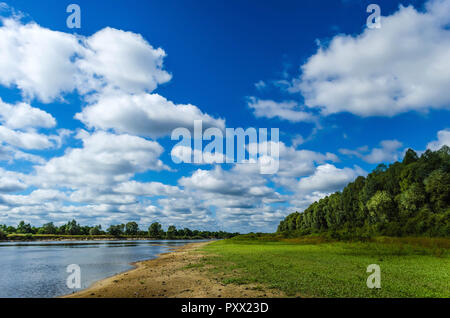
(39, 269)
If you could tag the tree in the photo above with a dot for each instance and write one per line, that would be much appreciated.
(3, 235)
(73, 228)
(437, 185)
(154, 230)
(96, 230)
(187, 232)
(410, 157)
(23, 228)
(171, 232)
(48, 228)
(411, 200)
(131, 228)
(116, 230)
(380, 206)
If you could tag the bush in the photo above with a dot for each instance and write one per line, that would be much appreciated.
(3, 236)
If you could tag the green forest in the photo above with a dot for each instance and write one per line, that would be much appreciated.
(408, 198)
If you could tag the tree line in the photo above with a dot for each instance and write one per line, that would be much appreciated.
(155, 230)
(408, 198)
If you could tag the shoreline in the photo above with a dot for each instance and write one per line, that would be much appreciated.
(112, 239)
(103, 240)
(174, 274)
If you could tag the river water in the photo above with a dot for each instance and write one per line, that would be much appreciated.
(39, 269)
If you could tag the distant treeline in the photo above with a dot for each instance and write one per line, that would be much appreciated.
(408, 198)
(155, 230)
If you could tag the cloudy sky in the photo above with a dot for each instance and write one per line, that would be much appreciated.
(86, 115)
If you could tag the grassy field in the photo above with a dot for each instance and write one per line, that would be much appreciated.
(312, 267)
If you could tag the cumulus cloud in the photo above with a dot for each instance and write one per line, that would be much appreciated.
(46, 64)
(241, 187)
(186, 154)
(288, 110)
(37, 60)
(11, 181)
(36, 197)
(328, 178)
(22, 115)
(402, 66)
(115, 72)
(224, 182)
(443, 140)
(19, 124)
(296, 163)
(146, 188)
(144, 114)
(104, 159)
(26, 140)
(388, 152)
(11, 154)
(123, 60)
(240, 197)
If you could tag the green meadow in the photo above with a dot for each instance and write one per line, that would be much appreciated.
(315, 267)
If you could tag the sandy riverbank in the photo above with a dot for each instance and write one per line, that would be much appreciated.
(170, 275)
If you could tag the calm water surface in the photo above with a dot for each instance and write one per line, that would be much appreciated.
(38, 269)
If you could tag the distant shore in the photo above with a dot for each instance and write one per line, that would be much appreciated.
(171, 275)
(69, 238)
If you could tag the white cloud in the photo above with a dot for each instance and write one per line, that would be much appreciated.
(37, 60)
(37, 197)
(297, 140)
(123, 60)
(260, 85)
(100, 195)
(403, 66)
(18, 129)
(443, 140)
(241, 187)
(327, 179)
(296, 163)
(224, 182)
(105, 159)
(26, 140)
(389, 152)
(113, 70)
(22, 115)
(46, 64)
(143, 114)
(10, 154)
(146, 189)
(11, 181)
(288, 110)
(19, 124)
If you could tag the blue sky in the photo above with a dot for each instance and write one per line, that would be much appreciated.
(86, 114)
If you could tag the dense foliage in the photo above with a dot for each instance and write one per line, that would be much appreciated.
(411, 197)
(130, 229)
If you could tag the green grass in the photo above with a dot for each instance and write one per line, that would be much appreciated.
(416, 267)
